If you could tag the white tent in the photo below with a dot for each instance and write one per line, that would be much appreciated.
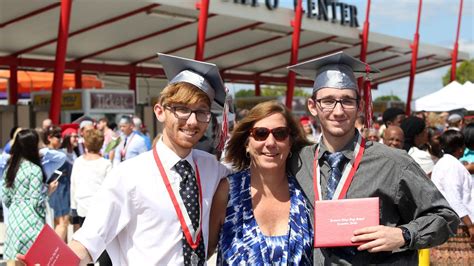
(452, 96)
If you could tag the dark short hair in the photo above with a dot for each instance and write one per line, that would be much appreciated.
(52, 131)
(391, 113)
(236, 147)
(451, 141)
(469, 136)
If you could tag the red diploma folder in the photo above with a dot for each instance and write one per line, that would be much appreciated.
(49, 250)
(336, 220)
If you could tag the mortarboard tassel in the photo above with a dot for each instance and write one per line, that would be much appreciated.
(368, 98)
(224, 132)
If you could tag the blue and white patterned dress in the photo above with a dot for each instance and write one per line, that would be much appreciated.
(242, 242)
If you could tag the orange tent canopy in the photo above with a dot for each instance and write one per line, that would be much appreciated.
(29, 81)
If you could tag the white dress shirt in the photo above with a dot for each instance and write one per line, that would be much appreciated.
(135, 145)
(455, 183)
(133, 215)
(87, 177)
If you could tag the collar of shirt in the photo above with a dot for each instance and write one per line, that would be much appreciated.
(347, 150)
(169, 159)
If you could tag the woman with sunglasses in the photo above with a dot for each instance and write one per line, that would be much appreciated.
(60, 200)
(259, 215)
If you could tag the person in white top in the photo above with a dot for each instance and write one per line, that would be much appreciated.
(134, 216)
(131, 144)
(453, 180)
(88, 173)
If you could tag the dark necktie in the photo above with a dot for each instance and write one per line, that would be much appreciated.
(122, 153)
(335, 161)
(188, 189)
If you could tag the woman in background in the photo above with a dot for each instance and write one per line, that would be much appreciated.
(60, 200)
(24, 193)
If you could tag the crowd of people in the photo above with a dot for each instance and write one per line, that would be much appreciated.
(80, 154)
(134, 201)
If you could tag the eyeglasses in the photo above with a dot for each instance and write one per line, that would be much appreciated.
(73, 136)
(328, 104)
(184, 113)
(261, 133)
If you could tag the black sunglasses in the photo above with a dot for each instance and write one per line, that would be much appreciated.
(261, 133)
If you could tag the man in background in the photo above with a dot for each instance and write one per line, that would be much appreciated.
(394, 137)
(131, 143)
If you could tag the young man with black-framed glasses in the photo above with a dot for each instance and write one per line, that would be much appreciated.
(413, 213)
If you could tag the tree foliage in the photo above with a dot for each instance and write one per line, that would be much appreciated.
(271, 91)
(464, 72)
(387, 98)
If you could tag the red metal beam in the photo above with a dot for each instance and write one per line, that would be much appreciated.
(403, 74)
(63, 31)
(203, 7)
(88, 28)
(250, 78)
(245, 47)
(383, 49)
(258, 91)
(454, 55)
(13, 85)
(120, 45)
(295, 43)
(277, 53)
(78, 78)
(383, 59)
(155, 72)
(29, 15)
(221, 35)
(406, 62)
(303, 59)
(414, 56)
(85, 67)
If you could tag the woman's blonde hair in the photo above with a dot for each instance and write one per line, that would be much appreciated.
(93, 140)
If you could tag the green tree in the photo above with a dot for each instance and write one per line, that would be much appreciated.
(387, 98)
(271, 91)
(464, 72)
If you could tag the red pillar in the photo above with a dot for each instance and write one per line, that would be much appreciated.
(257, 85)
(414, 57)
(133, 82)
(454, 55)
(203, 7)
(78, 78)
(365, 42)
(13, 85)
(295, 43)
(60, 63)
(365, 87)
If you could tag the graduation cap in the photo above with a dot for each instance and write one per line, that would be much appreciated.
(337, 71)
(201, 74)
(206, 77)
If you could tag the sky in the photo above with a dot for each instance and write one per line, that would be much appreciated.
(438, 26)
